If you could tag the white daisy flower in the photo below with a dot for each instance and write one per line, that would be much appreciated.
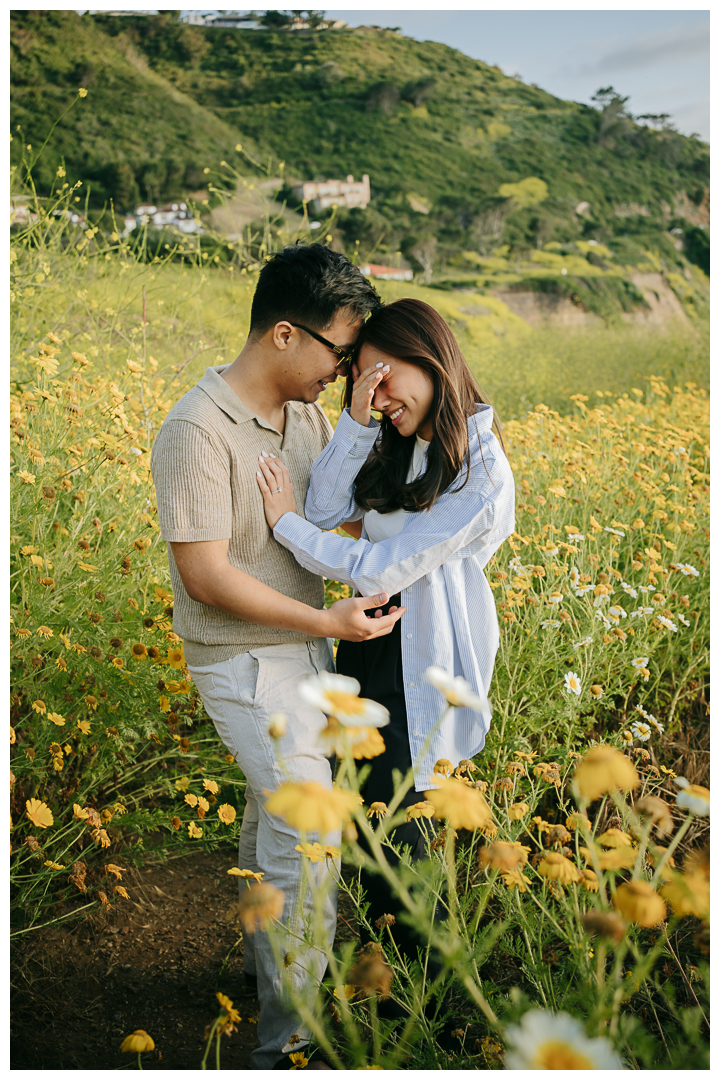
(616, 612)
(688, 570)
(572, 683)
(603, 619)
(456, 690)
(647, 715)
(692, 797)
(582, 590)
(640, 662)
(550, 624)
(615, 532)
(574, 537)
(550, 548)
(515, 564)
(337, 696)
(277, 724)
(683, 620)
(545, 1040)
(667, 623)
(646, 588)
(555, 598)
(585, 641)
(641, 731)
(629, 589)
(642, 611)
(660, 728)
(574, 577)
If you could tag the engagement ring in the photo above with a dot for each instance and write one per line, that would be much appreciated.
(276, 491)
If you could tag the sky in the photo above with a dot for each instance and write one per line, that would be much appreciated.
(659, 58)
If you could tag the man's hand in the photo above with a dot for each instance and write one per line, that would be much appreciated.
(274, 482)
(363, 392)
(210, 578)
(349, 622)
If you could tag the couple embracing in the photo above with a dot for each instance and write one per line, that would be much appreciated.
(428, 493)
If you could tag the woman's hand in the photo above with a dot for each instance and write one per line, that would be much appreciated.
(364, 390)
(274, 482)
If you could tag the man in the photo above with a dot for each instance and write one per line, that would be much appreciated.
(251, 617)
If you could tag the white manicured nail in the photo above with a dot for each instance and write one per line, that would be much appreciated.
(259, 475)
(378, 365)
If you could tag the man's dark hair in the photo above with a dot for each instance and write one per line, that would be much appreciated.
(309, 284)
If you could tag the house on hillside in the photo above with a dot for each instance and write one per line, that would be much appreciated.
(238, 20)
(20, 212)
(386, 273)
(175, 214)
(324, 193)
(137, 11)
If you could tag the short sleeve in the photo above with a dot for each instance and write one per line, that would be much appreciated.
(192, 484)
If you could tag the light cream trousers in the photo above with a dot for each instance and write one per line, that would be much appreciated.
(239, 695)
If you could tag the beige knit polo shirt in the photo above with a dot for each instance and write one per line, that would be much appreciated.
(204, 464)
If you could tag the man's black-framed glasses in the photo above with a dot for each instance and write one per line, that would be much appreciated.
(345, 355)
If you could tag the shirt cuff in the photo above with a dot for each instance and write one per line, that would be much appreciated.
(353, 438)
(293, 531)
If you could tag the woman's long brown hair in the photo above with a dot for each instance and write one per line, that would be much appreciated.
(412, 331)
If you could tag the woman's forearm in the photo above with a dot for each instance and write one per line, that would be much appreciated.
(330, 500)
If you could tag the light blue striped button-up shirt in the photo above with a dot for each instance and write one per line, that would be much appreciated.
(436, 564)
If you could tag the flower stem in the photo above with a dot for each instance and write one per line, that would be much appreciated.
(203, 1064)
(662, 863)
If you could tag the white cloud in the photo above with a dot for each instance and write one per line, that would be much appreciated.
(681, 43)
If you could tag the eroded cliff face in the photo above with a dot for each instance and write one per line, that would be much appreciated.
(540, 309)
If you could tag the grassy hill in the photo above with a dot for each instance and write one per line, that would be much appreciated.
(135, 136)
(461, 157)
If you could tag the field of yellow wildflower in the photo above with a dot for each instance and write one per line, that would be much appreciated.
(577, 892)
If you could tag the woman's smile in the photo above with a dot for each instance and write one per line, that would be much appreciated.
(404, 394)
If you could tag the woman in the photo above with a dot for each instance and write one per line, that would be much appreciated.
(434, 491)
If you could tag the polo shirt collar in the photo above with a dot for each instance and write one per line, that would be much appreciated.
(226, 399)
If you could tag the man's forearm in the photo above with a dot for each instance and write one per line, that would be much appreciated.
(210, 579)
(241, 595)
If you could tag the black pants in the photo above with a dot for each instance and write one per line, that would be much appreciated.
(377, 665)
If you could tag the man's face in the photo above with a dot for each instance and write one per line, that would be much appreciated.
(309, 365)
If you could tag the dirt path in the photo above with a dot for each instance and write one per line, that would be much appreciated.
(246, 206)
(155, 962)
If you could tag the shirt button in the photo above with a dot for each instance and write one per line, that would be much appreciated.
(409, 636)
(409, 588)
(416, 733)
(411, 684)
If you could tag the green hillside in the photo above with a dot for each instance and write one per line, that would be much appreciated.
(135, 136)
(439, 133)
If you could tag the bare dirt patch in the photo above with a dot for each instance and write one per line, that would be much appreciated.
(155, 962)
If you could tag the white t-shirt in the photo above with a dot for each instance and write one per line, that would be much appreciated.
(382, 526)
